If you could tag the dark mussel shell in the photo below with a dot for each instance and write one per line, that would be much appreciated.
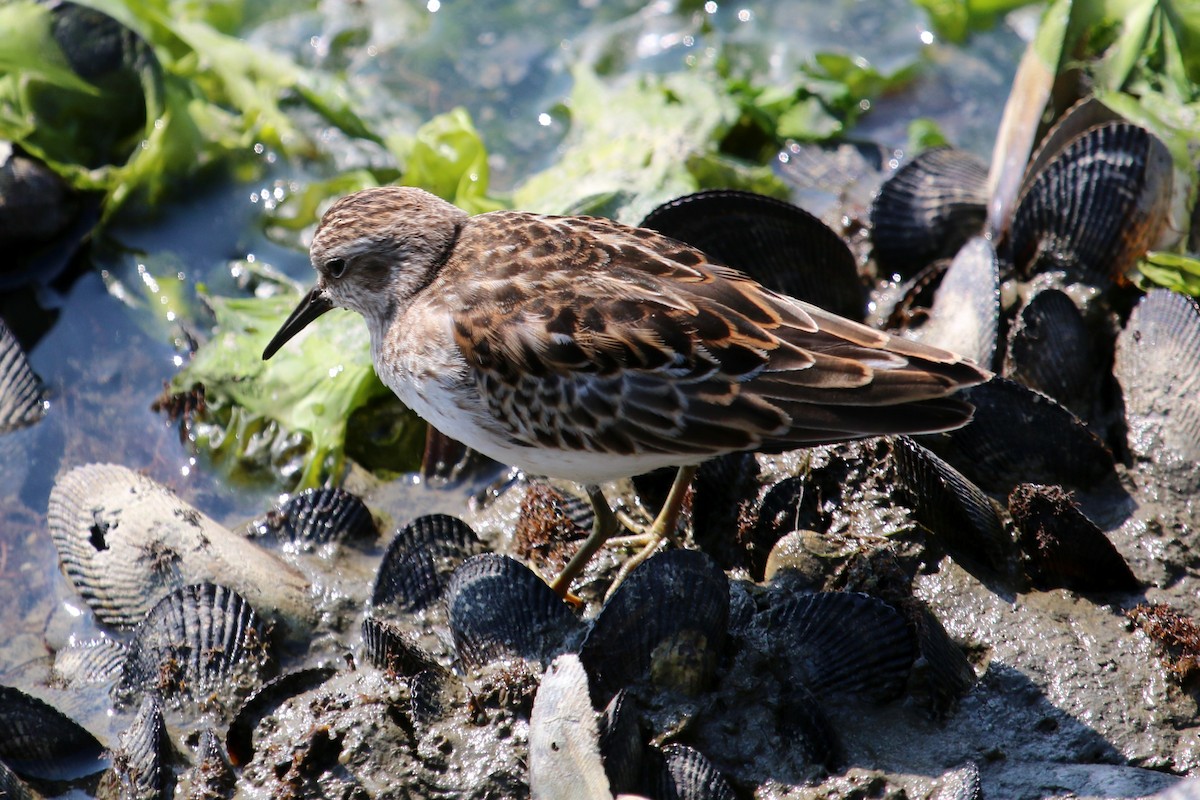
(961, 519)
(778, 244)
(22, 399)
(684, 773)
(212, 777)
(1064, 547)
(942, 670)
(141, 767)
(418, 562)
(240, 738)
(666, 623)
(1158, 367)
(316, 517)
(1050, 350)
(840, 642)
(199, 639)
(389, 648)
(1095, 207)
(499, 608)
(965, 317)
(39, 741)
(621, 746)
(1019, 435)
(928, 209)
(564, 737)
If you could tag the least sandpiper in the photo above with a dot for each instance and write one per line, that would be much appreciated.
(584, 349)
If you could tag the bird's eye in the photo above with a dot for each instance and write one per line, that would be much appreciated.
(335, 267)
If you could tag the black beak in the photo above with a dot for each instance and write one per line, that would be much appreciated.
(314, 304)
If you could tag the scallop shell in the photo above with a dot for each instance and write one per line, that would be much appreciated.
(95, 661)
(1065, 548)
(961, 519)
(386, 646)
(200, 639)
(317, 517)
(418, 562)
(141, 769)
(1096, 207)
(1019, 435)
(928, 209)
(802, 722)
(942, 670)
(840, 642)
(239, 740)
(666, 623)
(1158, 367)
(498, 608)
(621, 746)
(13, 788)
(778, 244)
(722, 491)
(212, 777)
(564, 738)
(22, 399)
(125, 541)
(429, 695)
(686, 774)
(965, 316)
(1050, 351)
(39, 741)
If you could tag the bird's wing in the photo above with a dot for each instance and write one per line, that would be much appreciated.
(585, 334)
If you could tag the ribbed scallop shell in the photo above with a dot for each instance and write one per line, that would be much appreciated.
(621, 746)
(1049, 350)
(22, 399)
(141, 765)
(13, 788)
(416, 567)
(961, 519)
(1096, 207)
(928, 209)
(946, 672)
(90, 662)
(498, 608)
(39, 741)
(389, 648)
(778, 244)
(200, 639)
(965, 317)
(666, 623)
(1158, 367)
(686, 774)
(212, 777)
(126, 541)
(840, 642)
(1019, 435)
(1065, 548)
(316, 517)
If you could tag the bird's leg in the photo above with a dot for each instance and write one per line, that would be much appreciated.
(604, 525)
(663, 526)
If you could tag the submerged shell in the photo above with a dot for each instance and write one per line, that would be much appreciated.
(564, 738)
(141, 768)
(686, 774)
(39, 741)
(240, 738)
(389, 648)
(965, 317)
(90, 662)
(956, 513)
(928, 209)
(418, 562)
(200, 639)
(1065, 548)
(212, 777)
(666, 623)
(316, 517)
(498, 608)
(1158, 367)
(778, 244)
(1096, 207)
(1049, 350)
(840, 642)
(1019, 435)
(125, 541)
(22, 399)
